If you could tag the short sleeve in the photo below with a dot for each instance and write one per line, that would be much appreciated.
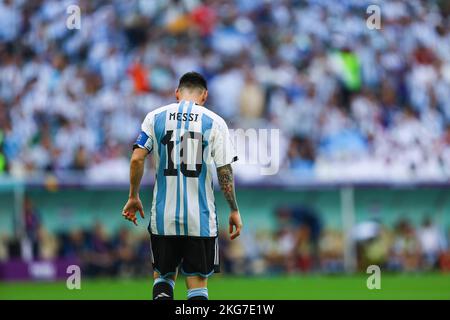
(145, 139)
(223, 150)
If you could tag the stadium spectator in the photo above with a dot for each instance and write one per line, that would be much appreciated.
(99, 257)
(406, 246)
(33, 226)
(432, 242)
(73, 244)
(47, 244)
(125, 255)
(331, 249)
(4, 253)
(303, 224)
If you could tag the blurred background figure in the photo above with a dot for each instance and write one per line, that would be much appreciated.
(302, 226)
(432, 242)
(406, 247)
(373, 243)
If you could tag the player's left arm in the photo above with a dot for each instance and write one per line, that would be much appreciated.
(136, 172)
(224, 154)
(226, 182)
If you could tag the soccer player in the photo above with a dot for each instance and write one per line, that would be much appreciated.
(187, 141)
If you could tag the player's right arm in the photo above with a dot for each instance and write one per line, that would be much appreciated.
(136, 172)
(226, 181)
(142, 147)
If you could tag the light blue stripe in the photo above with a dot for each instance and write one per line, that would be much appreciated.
(204, 275)
(166, 280)
(160, 130)
(168, 274)
(207, 123)
(177, 162)
(197, 292)
(185, 198)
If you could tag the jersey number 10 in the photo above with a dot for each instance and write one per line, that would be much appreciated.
(170, 144)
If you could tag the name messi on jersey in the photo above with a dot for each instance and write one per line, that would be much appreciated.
(183, 116)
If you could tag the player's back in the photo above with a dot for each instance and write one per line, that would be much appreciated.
(187, 141)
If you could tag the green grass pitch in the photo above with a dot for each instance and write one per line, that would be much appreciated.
(402, 286)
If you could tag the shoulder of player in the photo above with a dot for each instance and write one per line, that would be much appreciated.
(156, 111)
(218, 120)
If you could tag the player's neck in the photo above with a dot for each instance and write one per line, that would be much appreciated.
(195, 99)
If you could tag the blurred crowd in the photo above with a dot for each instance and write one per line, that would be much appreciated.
(97, 252)
(351, 102)
(300, 243)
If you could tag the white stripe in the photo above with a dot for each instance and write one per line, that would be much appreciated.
(193, 207)
(153, 227)
(216, 252)
(182, 204)
(171, 183)
(178, 133)
(153, 258)
(171, 202)
(212, 209)
(192, 183)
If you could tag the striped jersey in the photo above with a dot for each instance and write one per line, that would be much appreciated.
(188, 141)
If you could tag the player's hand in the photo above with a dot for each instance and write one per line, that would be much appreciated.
(235, 223)
(129, 211)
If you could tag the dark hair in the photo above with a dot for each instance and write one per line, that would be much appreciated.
(192, 80)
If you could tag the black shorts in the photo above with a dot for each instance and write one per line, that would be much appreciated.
(193, 255)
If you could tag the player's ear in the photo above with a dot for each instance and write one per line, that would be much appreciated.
(177, 94)
(204, 96)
